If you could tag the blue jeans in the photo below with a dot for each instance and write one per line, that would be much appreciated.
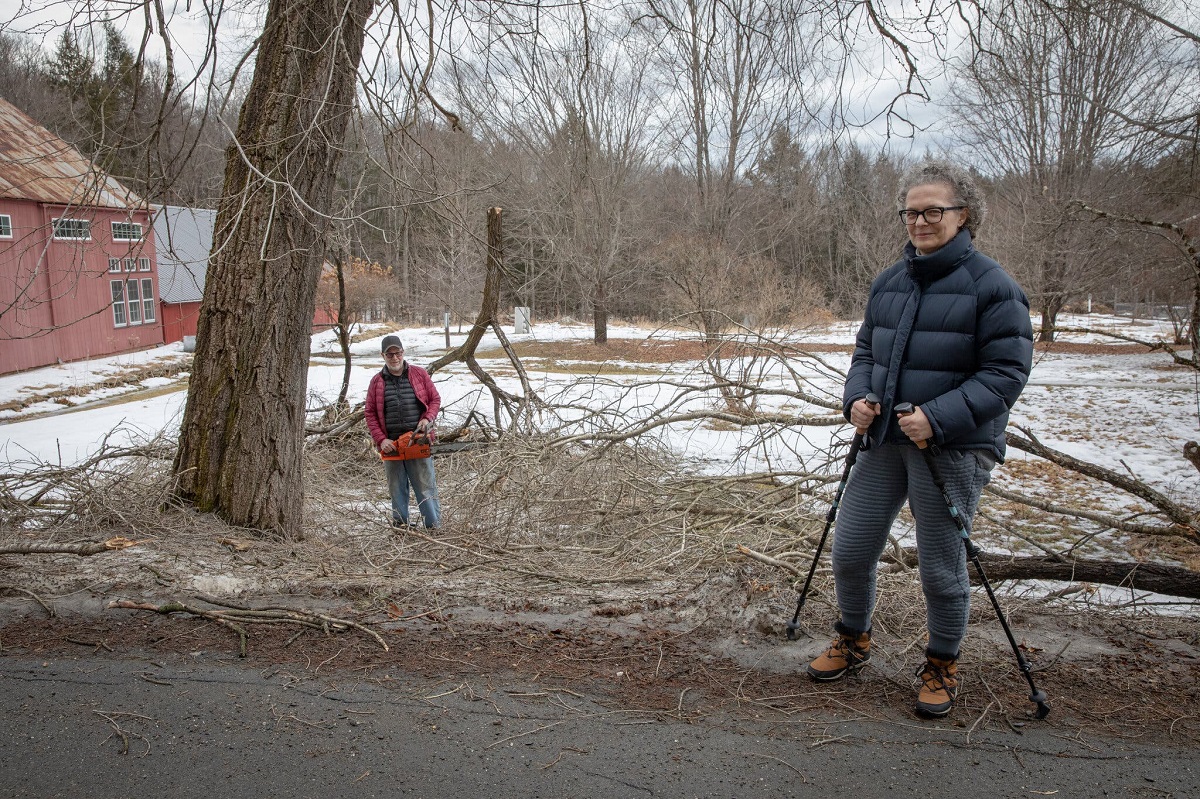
(419, 474)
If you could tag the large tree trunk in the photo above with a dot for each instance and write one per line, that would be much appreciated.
(490, 306)
(1050, 308)
(240, 451)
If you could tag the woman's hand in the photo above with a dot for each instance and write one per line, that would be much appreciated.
(862, 413)
(916, 425)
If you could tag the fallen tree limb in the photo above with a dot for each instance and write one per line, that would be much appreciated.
(767, 559)
(741, 420)
(43, 548)
(233, 616)
(1105, 519)
(1187, 522)
(1151, 346)
(1154, 577)
(340, 426)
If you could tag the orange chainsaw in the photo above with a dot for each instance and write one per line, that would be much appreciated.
(409, 446)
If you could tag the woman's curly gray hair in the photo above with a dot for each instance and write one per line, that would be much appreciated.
(966, 190)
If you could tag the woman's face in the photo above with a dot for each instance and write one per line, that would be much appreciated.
(929, 236)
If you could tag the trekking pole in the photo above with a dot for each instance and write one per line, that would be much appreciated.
(1036, 696)
(856, 446)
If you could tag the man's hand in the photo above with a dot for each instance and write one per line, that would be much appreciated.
(424, 425)
(388, 446)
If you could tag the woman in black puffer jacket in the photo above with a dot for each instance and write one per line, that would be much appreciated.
(948, 330)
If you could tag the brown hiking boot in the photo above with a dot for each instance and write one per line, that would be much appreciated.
(939, 685)
(849, 652)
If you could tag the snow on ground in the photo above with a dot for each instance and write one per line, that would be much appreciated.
(1134, 396)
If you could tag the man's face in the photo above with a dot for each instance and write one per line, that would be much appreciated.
(394, 358)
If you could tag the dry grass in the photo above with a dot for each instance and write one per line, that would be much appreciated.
(131, 376)
(649, 351)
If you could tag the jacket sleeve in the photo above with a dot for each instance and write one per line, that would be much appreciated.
(862, 362)
(1004, 347)
(373, 412)
(430, 396)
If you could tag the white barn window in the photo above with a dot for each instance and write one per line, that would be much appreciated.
(80, 229)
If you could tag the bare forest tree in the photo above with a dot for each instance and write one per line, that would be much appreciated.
(131, 114)
(580, 100)
(733, 89)
(23, 76)
(1033, 106)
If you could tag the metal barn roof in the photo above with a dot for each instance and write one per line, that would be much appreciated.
(37, 165)
(183, 238)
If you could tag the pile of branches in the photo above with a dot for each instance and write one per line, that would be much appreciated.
(119, 488)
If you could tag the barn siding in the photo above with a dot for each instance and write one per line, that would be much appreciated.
(58, 292)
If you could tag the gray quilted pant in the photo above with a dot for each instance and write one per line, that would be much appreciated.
(882, 479)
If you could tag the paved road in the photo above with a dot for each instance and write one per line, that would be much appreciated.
(206, 726)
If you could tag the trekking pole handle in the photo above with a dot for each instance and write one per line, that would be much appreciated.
(906, 409)
(872, 400)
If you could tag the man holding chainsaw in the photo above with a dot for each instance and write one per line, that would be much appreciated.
(946, 336)
(402, 399)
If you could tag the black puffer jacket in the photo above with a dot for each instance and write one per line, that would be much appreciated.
(950, 332)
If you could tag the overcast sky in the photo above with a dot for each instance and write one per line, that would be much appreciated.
(871, 81)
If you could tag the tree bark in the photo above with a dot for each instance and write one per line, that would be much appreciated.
(240, 452)
(490, 305)
(1050, 308)
(1191, 451)
(485, 320)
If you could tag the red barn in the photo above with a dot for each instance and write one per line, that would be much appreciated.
(78, 277)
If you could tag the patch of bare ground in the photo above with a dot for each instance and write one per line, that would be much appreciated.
(676, 350)
(1090, 348)
(1106, 677)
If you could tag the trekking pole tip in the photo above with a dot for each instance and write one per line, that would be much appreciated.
(1039, 698)
(793, 630)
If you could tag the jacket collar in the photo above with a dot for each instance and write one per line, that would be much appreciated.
(926, 269)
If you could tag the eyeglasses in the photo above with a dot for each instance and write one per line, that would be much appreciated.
(909, 216)
(392, 354)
